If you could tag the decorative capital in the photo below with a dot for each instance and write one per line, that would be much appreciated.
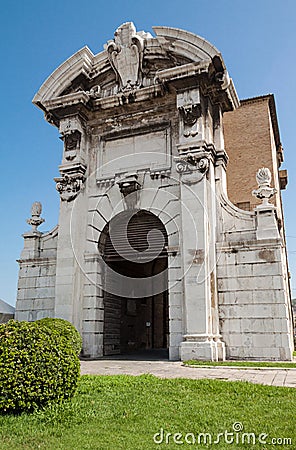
(264, 191)
(35, 219)
(125, 54)
(192, 167)
(69, 186)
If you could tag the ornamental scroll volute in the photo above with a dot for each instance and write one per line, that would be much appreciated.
(192, 168)
(126, 55)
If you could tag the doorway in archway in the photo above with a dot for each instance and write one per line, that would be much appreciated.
(133, 247)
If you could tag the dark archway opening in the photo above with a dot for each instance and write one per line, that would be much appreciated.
(134, 322)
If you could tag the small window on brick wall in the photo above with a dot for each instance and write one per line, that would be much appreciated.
(244, 205)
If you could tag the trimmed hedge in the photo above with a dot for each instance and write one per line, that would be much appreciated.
(38, 367)
(64, 328)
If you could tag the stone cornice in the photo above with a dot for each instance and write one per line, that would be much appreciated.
(121, 99)
(67, 100)
(79, 63)
(186, 70)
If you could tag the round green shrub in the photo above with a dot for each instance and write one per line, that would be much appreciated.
(64, 328)
(38, 367)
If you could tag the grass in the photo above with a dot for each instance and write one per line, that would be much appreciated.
(242, 364)
(124, 412)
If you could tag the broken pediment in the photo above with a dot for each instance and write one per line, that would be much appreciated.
(134, 66)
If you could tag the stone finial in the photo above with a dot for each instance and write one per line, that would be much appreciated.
(264, 191)
(263, 177)
(35, 219)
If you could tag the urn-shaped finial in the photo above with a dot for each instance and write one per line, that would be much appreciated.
(264, 191)
(263, 177)
(35, 219)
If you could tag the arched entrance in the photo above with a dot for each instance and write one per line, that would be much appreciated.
(133, 248)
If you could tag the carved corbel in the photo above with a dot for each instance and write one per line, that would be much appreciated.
(189, 106)
(71, 134)
(190, 115)
(129, 187)
(72, 142)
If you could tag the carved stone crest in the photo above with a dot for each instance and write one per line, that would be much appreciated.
(126, 55)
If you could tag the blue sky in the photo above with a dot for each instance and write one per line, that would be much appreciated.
(256, 38)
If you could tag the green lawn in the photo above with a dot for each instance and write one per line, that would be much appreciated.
(124, 412)
(242, 364)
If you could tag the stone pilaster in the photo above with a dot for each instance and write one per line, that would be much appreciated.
(195, 164)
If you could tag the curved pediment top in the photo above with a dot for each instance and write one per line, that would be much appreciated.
(132, 60)
(198, 47)
(79, 63)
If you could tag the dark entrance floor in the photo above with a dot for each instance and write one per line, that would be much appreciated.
(161, 354)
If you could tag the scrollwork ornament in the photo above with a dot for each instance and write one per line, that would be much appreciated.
(191, 168)
(203, 164)
(181, 166)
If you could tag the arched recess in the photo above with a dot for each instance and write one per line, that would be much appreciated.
(133, 246)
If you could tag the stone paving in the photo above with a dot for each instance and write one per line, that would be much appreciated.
(173, 369)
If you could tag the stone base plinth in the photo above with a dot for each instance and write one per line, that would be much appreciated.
(203, 349)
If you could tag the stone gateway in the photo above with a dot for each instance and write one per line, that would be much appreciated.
(170, 231)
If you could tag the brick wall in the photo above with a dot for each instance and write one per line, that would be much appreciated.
(247, 133)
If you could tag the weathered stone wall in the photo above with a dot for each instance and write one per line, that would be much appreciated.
(37, 277)
(253, 301)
